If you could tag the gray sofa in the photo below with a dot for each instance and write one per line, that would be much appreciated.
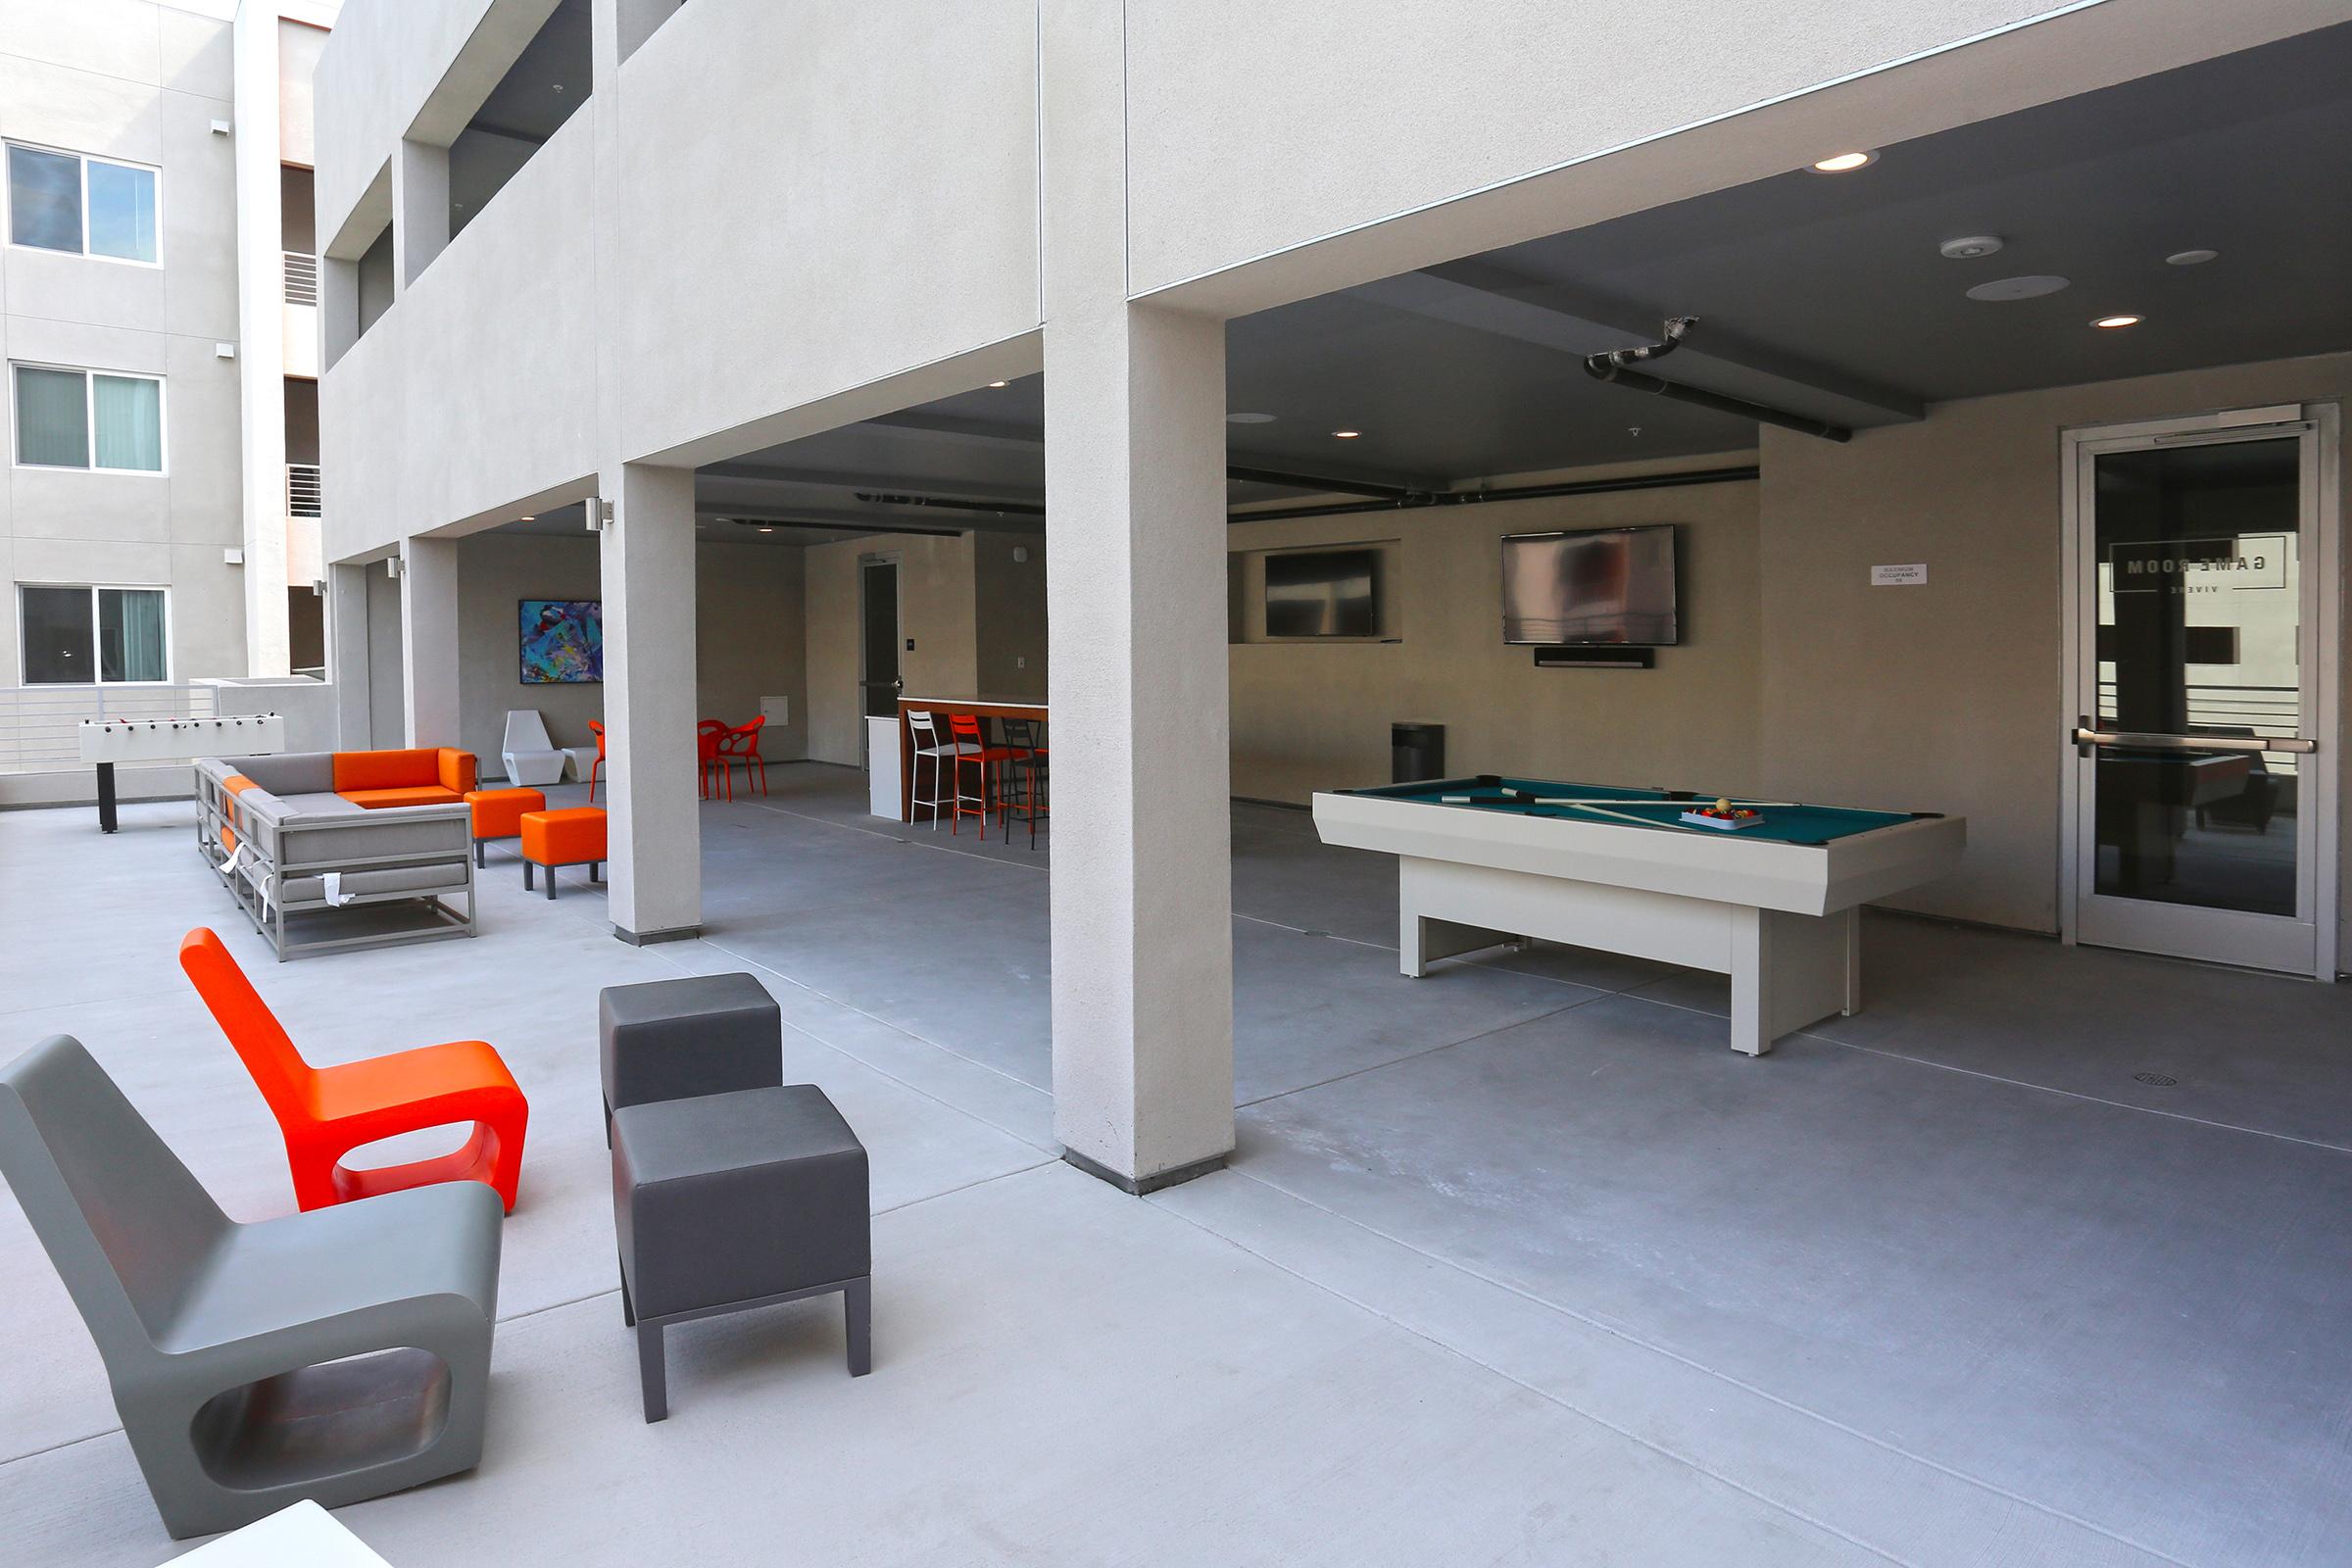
(398, 871)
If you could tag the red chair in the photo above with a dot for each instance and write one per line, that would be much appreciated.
(326, 1112)
(707, 733)
(973, 751)
(598, 730)
(740, 747)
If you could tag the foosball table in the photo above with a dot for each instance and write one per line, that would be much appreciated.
(108, 741)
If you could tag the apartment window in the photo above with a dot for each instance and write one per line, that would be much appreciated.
(82, 636)
(88, 419)
(81, 206)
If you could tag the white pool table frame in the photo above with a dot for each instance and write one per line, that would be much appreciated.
(1778, 918)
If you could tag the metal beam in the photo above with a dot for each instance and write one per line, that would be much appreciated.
(1487, 298)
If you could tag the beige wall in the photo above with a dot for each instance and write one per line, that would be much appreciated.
(495, 570)
(750, 640)
(1949, 697)
(748, 645)
(936, 608)
(1309, 715)
(1009, 615)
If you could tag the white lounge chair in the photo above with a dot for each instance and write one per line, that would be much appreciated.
(531, 757)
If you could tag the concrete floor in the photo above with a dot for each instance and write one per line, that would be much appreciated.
(1515, 1264)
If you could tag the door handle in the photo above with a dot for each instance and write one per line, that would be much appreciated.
(2085, 740)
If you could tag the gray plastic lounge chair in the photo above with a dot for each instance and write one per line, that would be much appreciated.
(337, 1354)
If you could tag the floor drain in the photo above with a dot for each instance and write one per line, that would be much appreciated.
(2156, 1078)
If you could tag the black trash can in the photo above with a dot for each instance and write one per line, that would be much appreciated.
(1416, 753)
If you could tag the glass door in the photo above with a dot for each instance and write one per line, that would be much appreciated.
(878, 683)
(2200, 743)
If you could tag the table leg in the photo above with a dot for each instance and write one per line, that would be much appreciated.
(106, 798)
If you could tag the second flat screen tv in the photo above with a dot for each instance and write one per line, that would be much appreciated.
(1606, 585)
(1323, 593)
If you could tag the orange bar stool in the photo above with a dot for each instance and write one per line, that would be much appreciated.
(497, 814)
(572, 836)
(973, 751)
(326, 1112)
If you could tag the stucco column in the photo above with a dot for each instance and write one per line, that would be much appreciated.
(428, 640)
(1134, 604)
(419, 207)
(347, 665)
(654, 831)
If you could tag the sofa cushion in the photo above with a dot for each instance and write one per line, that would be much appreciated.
(385, 770)
(391, 879)
(289, 773)
(376, 799)
(455, 770)
(321, 805)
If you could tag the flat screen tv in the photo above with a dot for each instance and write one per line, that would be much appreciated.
(1604, 585)
(1323, 593)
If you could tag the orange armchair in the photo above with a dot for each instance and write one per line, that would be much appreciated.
(326, 1112)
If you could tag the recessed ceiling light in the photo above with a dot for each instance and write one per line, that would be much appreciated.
(2030, 286)
(2197, 258)
(1970, 247)
(763, 528)
(530, 516)
(1248, 418)
(1346, 435)
(999, 383)
(1844, 163)
(2113, 321)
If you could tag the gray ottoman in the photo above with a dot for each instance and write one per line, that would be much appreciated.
(670, 1039)
(735, 1200)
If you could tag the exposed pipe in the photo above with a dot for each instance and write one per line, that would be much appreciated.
(1613, 368)
(1320, 485)
(1018, 509)
(1524, 492)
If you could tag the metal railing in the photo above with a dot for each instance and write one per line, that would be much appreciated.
(39, 724)
(302, 490)
(302, 278)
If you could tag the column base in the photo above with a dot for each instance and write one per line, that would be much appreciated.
(1138, 1187)
(646, 939)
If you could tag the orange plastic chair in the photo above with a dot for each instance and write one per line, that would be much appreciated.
(707, 733)
(326, 1112)
(740, 747)
(598, 730)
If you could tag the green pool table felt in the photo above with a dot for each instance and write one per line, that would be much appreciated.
(1788, 825)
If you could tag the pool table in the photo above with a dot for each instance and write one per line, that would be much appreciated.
(1489, 859)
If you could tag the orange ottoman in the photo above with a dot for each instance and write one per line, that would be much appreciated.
(497, 814)
(573, 836)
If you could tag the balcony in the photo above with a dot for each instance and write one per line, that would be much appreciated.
(306, 559)
(301, 314)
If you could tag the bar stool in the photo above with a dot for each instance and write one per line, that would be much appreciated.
(972, 750)
(923, 734)
(1025, 770)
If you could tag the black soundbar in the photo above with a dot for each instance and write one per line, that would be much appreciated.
(1596, 657)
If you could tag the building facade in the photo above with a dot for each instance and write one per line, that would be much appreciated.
(160, 520)
(631, 256)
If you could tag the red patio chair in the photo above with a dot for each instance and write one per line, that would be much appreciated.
(598, 730)
(740, 747)
(707, 733)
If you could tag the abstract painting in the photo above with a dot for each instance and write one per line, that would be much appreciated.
(562, 641)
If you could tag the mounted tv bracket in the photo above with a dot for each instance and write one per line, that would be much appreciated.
(1615, 366)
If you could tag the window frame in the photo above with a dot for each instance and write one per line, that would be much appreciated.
(82, 162)
(92, 590)
(90, 415)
